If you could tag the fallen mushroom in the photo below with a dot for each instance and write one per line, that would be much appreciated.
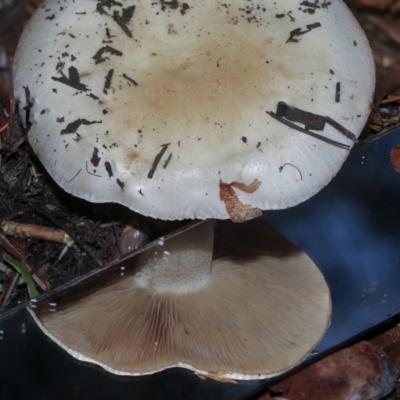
(194, 109)
(253, 307)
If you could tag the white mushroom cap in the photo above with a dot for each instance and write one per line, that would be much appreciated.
(164, 107)
(257, 310)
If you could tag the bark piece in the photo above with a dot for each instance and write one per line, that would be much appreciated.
(359, 372)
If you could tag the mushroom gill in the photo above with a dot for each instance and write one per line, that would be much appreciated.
(256, 308)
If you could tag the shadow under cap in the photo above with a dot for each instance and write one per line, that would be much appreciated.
(250, 317)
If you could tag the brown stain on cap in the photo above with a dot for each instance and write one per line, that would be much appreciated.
(213, 77)
(238, 212)
(221, 72)
(132, 155)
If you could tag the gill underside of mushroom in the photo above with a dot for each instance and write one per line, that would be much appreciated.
(253, 308)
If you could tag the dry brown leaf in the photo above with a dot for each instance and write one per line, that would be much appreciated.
(362, 371)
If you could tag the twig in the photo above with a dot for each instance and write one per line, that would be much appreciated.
(36, 232)
(117, 240)
(7, 246)
(381, 133)
(6, 295)
(391, 100)
(12, 216)
(21, 177)
(60, 225)
(41, 263)
(19, 143)
(307, 132)
(4, 127)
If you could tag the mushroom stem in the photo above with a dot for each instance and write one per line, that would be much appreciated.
(178, 266)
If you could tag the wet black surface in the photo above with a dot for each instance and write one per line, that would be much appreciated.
(34, 367)
(350, 229)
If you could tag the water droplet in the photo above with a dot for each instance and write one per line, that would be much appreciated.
(52, 307)
(32, 303)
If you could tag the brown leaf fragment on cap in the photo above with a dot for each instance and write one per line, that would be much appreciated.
(127, 14)
(167, 160)
(73, 75)
(110, 3)
(73, 79)
(310, 120)
(108, 169)
(171, 4)
(184, 8)
(309, 4)
(74, 85)
(337, 92)
(123, 20)
(93, 96)
(247, 188)
(298, 32)
(95, 157)
(395, 157)
(286, 113)
(28, 106)
(107, 83)
(129, 79)
(106, 49)
(238, 212)
(120, 184)
(157, 159)
(362, 371)
(72, 127)
(106, 3)
(100, 9)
